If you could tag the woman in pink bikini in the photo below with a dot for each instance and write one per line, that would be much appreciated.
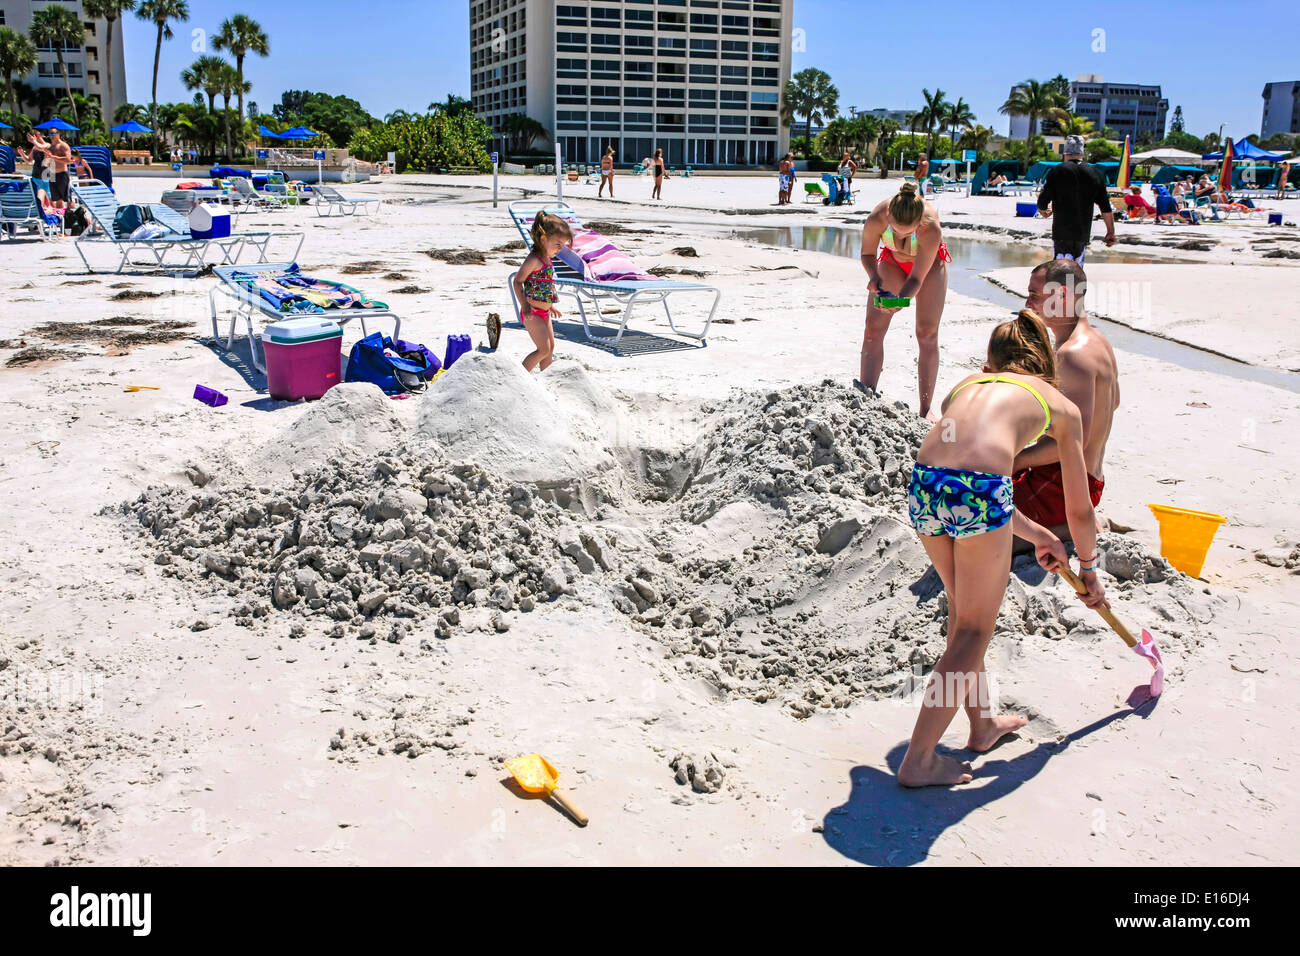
(534, 285)
(904, 254)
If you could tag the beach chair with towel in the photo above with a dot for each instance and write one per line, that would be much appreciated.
(274, 290)
(596, 273)
(20, 209)
(329, 201)
(102, 206)
(249, 195)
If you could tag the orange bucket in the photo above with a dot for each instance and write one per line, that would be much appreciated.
(1185, 536)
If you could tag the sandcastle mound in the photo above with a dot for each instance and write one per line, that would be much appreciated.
(828, 599)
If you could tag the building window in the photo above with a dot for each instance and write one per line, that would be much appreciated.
(576, 42)
(735, 49)
(604, 43)
(566, 93)
(635, 44)
(704, 72)
(734, 99)
(571, 68)
(703, 123)
(704, 48)
(571, 119)
(672, 46)
(735, 75)
(604, 69)
(767, 51)
(571, 16)
(639, 19)
(637, 95)
(704, 23)
(736, 25)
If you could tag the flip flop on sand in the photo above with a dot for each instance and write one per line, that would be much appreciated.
(493, 330)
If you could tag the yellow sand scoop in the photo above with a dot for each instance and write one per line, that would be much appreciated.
(535, 774)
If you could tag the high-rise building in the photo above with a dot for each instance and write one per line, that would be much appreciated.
(87, 64)
(1281, 109)
(700, 79)
(1129, 109)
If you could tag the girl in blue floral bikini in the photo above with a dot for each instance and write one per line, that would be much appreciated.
(960, 504)
(534, 285)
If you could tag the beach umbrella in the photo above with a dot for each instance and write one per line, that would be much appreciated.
(1125, 162)
(131, 126)
(299, 132)
(5, 126)
(1167, 156)
(58, 124)
(1225, 171)
(269, 134)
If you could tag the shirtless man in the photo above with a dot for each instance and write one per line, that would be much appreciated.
(785, 180)
(1089, 377)
(607, 172)
(59, 155)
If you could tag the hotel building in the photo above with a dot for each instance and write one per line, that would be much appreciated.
(701, 79)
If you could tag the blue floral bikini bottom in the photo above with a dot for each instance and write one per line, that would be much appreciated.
(957, 502)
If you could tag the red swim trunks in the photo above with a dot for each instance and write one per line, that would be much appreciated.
(887, 255)
(1038, 494)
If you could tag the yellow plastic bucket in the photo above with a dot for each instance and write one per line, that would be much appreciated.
(1185, 536)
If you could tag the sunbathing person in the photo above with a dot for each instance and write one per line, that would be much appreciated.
(960, 504)
(996, 180)
(1087, 375)
(1139, 209)
(534, 285)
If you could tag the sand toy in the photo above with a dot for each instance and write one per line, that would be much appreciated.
(1146, 647)
(1185, 536)
(892, 302)
(536, 775)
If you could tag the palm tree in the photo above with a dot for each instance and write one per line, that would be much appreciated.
(242, 35)
(17, 57)
(522, 131)
(976, 138)
(231, 84)
(889, 128)
(206, 75)
(161, 13)
(452, 105)
(1032, 99)
(58, 26)
(126, 112)
(932, 114)
(958, 115)
(810, 93)
(1069, 124)
(109, 11)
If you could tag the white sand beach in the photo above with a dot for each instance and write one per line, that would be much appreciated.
(662, 551)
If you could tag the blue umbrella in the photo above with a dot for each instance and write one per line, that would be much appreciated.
(299, 132)
(270, 134)
(58, 124)
(5, 126)
(131, 126)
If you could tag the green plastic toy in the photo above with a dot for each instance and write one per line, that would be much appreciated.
(892, 302)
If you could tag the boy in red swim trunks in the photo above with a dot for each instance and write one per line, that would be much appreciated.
(1089, 377)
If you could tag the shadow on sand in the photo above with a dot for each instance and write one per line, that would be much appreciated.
(884, 824)
(633, 342)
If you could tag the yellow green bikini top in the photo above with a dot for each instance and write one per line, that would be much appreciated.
(887, 237)
(1047, 412)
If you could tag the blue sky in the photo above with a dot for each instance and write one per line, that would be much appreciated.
(405, 53)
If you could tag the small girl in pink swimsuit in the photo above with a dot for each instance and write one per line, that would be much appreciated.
(534, 285)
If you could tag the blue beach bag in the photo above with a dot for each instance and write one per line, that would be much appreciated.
(373, 360)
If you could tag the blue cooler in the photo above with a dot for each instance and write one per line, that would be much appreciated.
(1027, 210)
(1275, 219)
(209, 221)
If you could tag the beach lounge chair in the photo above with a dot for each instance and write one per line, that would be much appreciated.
(625, 293)
(274, 290)
(815, 192)
(329, 200)
(249, 195)
(102, 205)
(19, 209)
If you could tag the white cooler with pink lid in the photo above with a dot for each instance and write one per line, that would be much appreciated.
(303, 357)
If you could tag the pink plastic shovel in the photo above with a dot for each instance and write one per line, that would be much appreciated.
(1146, 647)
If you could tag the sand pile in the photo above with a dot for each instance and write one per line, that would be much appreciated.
(825, 599)
(488, 410)
(402, 536)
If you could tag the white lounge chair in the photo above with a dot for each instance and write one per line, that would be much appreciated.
(625, 293)
(101, 206)
(251, 196)
(329, 200)
(19, 208)
(236, 283)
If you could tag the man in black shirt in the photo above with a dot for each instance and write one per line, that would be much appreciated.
(1071, 191)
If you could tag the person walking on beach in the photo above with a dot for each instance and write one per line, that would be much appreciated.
(1088, 375)
(960, 503)
(657, 168)
(785, 180)
(847, 168)
(1068, 196)
(607, 172)
(1283, 173)
(905, 257)
(534, 286)
(922, 171)
(59, 154)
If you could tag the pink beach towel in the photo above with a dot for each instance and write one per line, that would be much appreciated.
(603, 261)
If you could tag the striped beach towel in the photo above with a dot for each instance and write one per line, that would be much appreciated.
(602, 260)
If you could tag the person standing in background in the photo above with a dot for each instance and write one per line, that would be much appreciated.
(1068, 196)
